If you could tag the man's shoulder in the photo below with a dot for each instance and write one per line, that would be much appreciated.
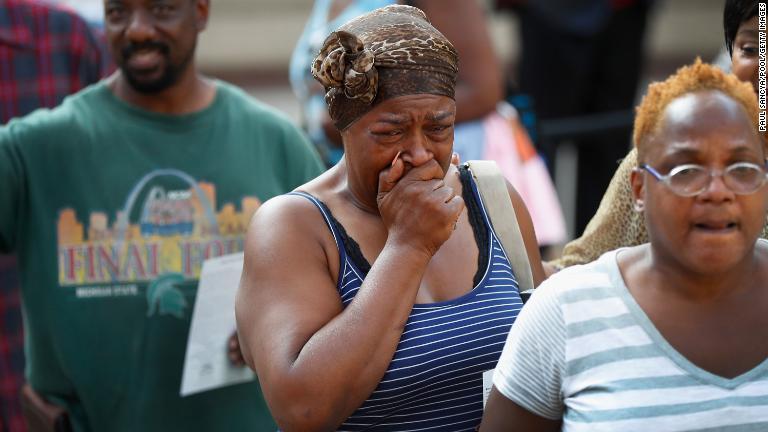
(88, 101)
(71, 116)
(251, 108)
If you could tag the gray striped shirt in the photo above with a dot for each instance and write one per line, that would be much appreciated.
(583, 350)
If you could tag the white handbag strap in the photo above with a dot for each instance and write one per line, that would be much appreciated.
(493, 190)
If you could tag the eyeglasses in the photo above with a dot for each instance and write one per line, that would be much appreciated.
(742, 178)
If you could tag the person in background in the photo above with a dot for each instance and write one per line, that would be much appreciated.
(616, 224)
(404, 294)
(669, 335)
(47, 53)
(92, 11)
(112, 201)
(582, 57)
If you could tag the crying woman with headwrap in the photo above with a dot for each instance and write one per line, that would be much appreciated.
(375, 296)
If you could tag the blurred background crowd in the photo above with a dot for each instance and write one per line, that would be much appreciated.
(642, 41)
(675, 32)
(572, 72)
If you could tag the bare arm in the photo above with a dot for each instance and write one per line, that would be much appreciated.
(479, 86)
(317, 362)
(529, 235)
(503, 415)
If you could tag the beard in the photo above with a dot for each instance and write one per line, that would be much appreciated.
(169, 71)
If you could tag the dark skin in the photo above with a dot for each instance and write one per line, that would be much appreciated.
(166, 33)
(175, 25)
(701, 278)
(317, 362)
(744, 60)
(503, 415)
(708, 299)
(479, 86)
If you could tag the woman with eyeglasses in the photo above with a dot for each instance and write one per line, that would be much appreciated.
(615, 224)
(671, 335)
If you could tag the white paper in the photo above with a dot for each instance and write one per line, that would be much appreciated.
(487, 385)
(206, 365)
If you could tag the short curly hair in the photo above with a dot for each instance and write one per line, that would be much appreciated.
(688, 79)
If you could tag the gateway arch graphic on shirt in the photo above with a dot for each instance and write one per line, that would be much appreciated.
(159, 238)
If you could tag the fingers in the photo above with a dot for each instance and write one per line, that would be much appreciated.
(428, 171)
(397, 156)
(455, 159)
(389, 177)
(453, 203)
(233, 351)
(236, 359)
(445, 193)
(456, 205)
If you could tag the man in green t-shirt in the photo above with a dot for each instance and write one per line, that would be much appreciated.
(112, 202)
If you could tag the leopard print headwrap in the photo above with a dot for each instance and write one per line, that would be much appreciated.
(389, 52)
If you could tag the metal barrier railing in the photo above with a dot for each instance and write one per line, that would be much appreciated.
(559, 138)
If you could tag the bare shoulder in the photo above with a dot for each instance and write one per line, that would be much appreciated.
(296, 211)
(290, 212)
(288, 228)
(519, 205)
(514, 195)
(288, 284)
(288, 233)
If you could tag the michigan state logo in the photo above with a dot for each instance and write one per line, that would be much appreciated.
(165, 297)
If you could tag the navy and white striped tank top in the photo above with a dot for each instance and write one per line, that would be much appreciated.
(434, 382)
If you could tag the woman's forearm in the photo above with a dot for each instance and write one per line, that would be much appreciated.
(342, 363)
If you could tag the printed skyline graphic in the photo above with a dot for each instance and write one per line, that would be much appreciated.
(176, 230)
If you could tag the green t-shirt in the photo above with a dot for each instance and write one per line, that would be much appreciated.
(112, 210)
